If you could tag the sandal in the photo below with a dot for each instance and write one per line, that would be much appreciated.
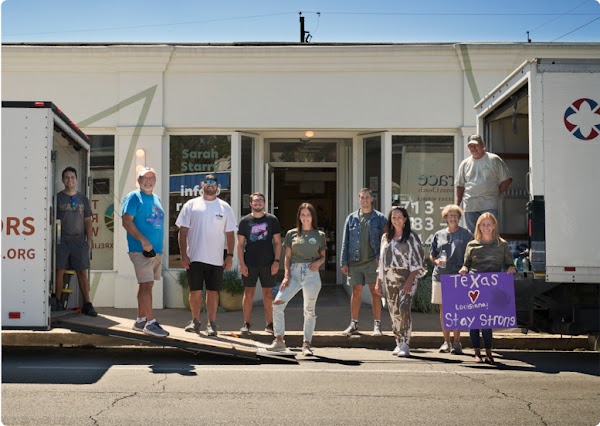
(490, 360)
(478, 359)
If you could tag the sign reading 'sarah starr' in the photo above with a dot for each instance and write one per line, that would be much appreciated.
(485, 300)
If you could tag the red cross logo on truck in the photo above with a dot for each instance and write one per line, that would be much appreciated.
(582, 119)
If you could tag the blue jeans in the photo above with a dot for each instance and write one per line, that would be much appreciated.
(301, 278)
(487, 338)
(471, 218)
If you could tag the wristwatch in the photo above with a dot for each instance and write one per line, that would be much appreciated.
(276, 260)
(229, 254)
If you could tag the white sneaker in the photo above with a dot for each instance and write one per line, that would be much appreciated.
(404, 351)
(307, 349)
(277, 346)
(377, 329)
(396, 350)
(446, 347)
(351, 330)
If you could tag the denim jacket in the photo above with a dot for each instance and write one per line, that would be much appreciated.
(351, 240)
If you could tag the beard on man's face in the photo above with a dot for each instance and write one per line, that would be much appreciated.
(210, 190)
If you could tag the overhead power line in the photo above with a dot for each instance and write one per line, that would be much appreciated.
(576, 29)
(205, 21)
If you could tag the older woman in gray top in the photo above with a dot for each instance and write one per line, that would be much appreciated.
(447, 254)
(486, 253)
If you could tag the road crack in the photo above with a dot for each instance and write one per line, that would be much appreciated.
(528, 404)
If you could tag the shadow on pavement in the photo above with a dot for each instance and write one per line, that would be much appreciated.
(88, 365)
(550, 362)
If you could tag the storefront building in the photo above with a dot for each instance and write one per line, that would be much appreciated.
(297, 122)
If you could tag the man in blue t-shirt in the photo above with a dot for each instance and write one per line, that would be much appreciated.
(144, 218)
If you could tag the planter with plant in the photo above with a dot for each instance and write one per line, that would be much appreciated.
(232, 291)
(185, 287)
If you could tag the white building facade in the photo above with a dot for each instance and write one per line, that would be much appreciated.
(297, 122)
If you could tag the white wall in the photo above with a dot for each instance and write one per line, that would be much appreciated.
(351, 89)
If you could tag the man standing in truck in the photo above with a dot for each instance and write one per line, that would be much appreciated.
(480, 181)
(75, 243)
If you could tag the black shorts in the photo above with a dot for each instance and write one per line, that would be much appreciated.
(263, 272)
(203, 273)
(73, 255)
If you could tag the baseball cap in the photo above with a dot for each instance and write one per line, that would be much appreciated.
(145, 170)
(475, 139)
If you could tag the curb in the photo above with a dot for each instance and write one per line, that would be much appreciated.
(422, 340)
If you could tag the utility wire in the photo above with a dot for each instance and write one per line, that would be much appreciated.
(556, 15)
(576, 29)
(155, 25)
(555, 18)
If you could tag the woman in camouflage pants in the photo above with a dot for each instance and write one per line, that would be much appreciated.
(401, 262)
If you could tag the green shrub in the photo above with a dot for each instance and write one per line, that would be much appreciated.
(232, 282)
(182, 279)
(422, 297)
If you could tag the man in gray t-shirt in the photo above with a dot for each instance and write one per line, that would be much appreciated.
(480, 180)
(74, 243)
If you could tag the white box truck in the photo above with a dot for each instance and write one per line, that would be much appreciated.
(38, 142)
(545, 119)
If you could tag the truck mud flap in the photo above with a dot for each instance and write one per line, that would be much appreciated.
(105, 325)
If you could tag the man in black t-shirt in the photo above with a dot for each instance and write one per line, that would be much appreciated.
(259, 249)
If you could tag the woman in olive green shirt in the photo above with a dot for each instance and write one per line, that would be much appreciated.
(486, 253)
(305, 249)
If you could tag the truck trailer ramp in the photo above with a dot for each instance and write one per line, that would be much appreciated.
(111, 326)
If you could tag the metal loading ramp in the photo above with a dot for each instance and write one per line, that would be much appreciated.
(111, 326)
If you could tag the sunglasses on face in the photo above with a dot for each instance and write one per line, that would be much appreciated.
(210, 182)
(73, 202)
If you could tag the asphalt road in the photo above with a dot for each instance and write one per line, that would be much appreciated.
(338, 386)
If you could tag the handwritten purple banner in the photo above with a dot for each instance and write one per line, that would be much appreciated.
(485, 300)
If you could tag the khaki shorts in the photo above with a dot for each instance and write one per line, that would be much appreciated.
(436, 292)
(147, 269)
(363, 274)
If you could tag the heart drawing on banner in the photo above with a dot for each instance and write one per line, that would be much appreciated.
(473, 295)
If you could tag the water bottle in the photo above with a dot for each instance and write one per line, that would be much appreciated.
(519, 264)
(443, 259)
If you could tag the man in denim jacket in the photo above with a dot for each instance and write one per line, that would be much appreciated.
(360, 256)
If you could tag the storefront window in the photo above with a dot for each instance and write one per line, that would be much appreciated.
(191, 158)
(102, 167)
(372, 160)
(423, 180)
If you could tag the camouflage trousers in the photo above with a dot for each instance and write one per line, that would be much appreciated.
(399, 303)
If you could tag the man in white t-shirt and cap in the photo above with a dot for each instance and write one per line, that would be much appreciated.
(480, 180)
(205, 222)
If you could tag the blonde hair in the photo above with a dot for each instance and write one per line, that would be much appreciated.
(487, 215)
(451, 208)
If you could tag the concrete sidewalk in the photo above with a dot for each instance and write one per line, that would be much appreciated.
(333, 310)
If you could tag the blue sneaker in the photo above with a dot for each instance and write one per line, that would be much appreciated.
(155, 329)
(139, 325)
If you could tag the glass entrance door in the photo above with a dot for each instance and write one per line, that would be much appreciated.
(288, 187)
